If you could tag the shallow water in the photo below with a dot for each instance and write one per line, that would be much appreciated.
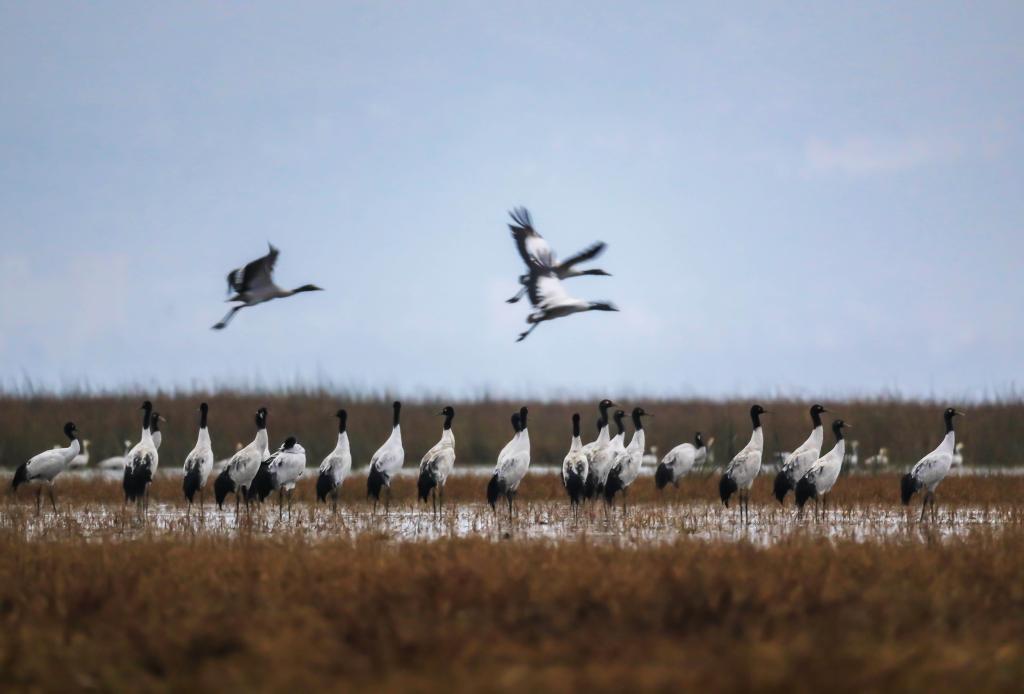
(547, 521)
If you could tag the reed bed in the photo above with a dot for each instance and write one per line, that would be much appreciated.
(309, 606)
(32, 422)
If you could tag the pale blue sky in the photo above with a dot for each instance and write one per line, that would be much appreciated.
(806, 198)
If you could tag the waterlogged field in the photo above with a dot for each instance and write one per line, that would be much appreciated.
(672, 593)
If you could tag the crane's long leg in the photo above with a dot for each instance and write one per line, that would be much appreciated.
(280, 503)
(523, 335)
(924, 505)
(227, 317)
(39, 500)
(517, 297)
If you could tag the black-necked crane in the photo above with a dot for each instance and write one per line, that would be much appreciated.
(550, 300)
(240, 471)
(513, 463)
(386, 462)
(438, 463)
(44, 467)
(626, 467)
(797, 463)
(336, 466)
(742, 470)
(574, 468)
(933, 468)
(534, 249)
(198, 463)
(679, 461)
(253, 284)
(821, 476)
(594, 448)
(141, 463)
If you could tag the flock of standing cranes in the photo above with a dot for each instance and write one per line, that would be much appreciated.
(604, 468)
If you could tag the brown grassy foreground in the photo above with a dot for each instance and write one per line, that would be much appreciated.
(186, 610)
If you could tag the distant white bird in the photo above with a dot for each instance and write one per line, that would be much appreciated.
(386, 462)
(254, 284)
(742, 470)
(336, 466)
(626, 467)
(880, 459)
(551, 301)
(932, 468)
(142, 461)
(819, 479)
(679, 461)
(852, 455)
(594, 448)
(115, 462)
(82, 459)
(513, 463)
(533, 248)
(44, 467)
(198, 463)
(240, 471)
(574, 468)
(438, 462)
(958, 454)
(603, 459)
(797, 463)
(287, 466)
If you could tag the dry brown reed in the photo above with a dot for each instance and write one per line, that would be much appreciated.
(30, 423)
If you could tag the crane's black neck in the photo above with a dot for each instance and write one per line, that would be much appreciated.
(203, 411)
(576, 425)
(147, 414)
(948, 416)
(261, 419)
(397, 408)
(618, 421)
(837, 429)
(448, 417)
(698, 440)
(522, 418)
(155, 426)
(601, 424)
(815, 416)
(755, 419)
(637, 421)
(342, 421)
(515, 423)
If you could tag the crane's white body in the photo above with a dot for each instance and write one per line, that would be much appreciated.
(683, 458)
(629, 460)
(576, 460)
(244, 464)
(390, 457)
(514, 461)
(200, 458)
(338, 463)
(803, 458)
(440, 459)
(933, 468)
(45, 466)
(824, 472)
(287, 466)
(746, 464)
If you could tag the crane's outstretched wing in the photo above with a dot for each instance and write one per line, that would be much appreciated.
(588, 253)
(257, 273)
(532, 247)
